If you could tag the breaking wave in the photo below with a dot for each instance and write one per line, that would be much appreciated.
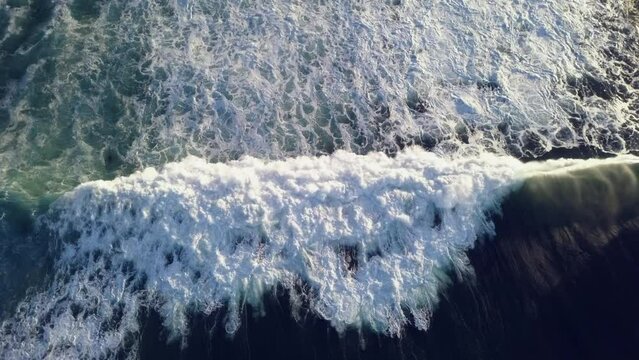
(361, 240)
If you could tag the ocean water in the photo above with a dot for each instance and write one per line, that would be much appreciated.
(326, 179)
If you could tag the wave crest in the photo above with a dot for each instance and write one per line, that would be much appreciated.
(361, 240)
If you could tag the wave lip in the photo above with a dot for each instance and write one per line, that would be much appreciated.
(361, 240)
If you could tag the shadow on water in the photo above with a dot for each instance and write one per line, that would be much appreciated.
(25, 257)
(559, 281)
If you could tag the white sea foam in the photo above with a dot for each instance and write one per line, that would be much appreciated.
(359, 237)
(150, 81)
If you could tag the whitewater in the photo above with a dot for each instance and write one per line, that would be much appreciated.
(361, 240)
(106, 89)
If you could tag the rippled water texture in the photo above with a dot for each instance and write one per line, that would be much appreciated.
(95, 89)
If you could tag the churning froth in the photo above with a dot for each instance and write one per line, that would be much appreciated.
(359, 238)
(128, 84)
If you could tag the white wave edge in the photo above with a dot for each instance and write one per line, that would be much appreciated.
(204, 235)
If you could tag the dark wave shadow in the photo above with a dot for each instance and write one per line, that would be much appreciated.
(560, 279)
